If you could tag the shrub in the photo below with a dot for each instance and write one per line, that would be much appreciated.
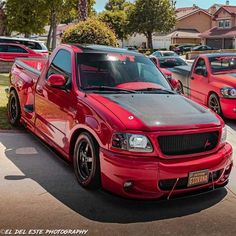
(91, 31)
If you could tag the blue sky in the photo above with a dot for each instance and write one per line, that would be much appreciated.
(180, 3)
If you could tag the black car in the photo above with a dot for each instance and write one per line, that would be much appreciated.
(180, 50)
(203, 48)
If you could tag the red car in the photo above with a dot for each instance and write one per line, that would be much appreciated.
(115, 117)
(10, 51)
(211, 81)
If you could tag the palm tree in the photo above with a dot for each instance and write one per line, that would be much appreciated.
(82, 10)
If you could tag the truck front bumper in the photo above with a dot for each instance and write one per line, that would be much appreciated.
(152, 177)
(228, 107)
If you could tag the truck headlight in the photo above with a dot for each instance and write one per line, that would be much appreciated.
(223, 134)
(131, 142)
(228, 92)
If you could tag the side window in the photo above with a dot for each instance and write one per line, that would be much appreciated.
(61, 64)
(16, 49)
(200, 67)
(3, 48)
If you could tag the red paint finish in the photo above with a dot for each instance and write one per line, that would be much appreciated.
(59, 114)
(202, 86)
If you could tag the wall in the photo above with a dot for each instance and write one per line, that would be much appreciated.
(199, 21)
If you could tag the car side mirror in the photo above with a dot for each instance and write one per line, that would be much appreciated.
(56, 81)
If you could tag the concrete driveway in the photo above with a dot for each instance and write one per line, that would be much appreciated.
(38, 190)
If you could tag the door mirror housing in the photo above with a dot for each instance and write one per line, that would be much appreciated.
(56, 81)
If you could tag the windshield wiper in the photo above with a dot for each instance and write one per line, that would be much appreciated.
(108, 88)
(161, 90)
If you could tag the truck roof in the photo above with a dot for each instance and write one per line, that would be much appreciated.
(218, 54)
(93, 48)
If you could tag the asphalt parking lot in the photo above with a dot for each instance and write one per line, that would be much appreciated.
(38, 190)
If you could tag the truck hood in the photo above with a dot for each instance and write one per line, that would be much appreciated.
(157, 111)
(229, 79)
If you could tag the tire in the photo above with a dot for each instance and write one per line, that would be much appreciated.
(86, 161)
(13, 109)
(214, 104)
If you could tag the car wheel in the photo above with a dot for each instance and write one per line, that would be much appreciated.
(86, 161)
(214, 103)
(13, 109)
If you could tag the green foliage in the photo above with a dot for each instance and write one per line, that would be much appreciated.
(91, 31)
(27, 17)
(148, 16)
(115, 5)
(117, 21)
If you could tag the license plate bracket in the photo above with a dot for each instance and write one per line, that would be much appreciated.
(198, 178)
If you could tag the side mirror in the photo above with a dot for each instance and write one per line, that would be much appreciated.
(56, 81)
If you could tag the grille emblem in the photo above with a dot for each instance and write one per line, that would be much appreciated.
(207, 144)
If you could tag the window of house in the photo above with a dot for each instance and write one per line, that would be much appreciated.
(227, 24)
(221, 24)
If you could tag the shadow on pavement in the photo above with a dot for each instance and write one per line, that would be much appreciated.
(231, 123)
(40, 164)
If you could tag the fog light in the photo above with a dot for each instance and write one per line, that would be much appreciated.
(128, 185)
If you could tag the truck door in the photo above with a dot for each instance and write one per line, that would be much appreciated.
(199, 81)
(51, 103)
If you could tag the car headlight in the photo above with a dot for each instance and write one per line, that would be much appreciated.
(223, 134)
(228, 92)
(131, 142)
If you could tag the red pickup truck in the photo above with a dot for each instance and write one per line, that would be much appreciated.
(211, 81)
(112, 114)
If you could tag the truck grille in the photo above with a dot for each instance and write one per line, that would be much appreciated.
(188, 143)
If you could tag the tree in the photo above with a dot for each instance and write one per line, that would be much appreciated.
(91, 31)
(149, 16)
(27, 17)
(3, 19)
(115, 5)
(117, 21)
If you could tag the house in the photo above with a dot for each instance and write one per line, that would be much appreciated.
(223, 32)
(190, 22)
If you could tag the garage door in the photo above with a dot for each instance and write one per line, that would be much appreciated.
(215, 43)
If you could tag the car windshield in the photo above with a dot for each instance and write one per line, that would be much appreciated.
(119, 71)
(171, 62)
(168, 54)
(222, 63)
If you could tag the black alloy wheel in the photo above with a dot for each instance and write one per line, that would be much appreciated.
(214, 104)
(13, 109)
(86, 161)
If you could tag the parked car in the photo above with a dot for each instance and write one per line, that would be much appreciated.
(10, 51)
(181, 49)
(164, 54)
(171, 62)
(114, 115)
(168, 74)
(211, 81)
(203, 48)
(35, 45)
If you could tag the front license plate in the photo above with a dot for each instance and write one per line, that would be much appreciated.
(198, 178)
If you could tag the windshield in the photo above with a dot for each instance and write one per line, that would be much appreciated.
(222, 63)
(172, 62)
(120, 71)
(167, 54)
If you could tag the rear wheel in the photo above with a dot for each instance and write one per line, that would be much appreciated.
(214, 104)
(13, 109)
(86, 161)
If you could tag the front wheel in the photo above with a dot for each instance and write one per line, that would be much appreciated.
(214, 104)
(13, 109)
(86, 161)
